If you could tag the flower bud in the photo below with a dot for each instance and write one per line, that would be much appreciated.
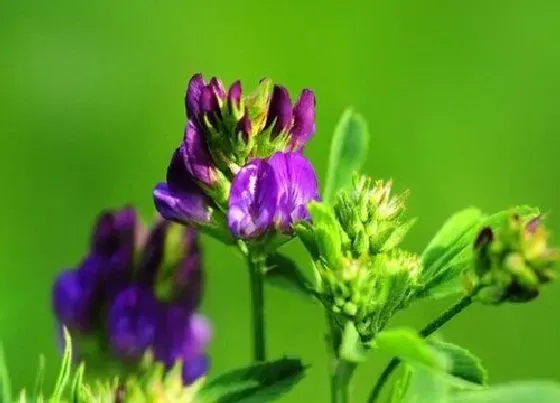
(511, 263)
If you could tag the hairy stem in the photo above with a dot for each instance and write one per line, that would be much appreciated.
(256, 275)
(430, 328)
(341, 371)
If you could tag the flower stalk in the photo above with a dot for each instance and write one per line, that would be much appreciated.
(257, 267)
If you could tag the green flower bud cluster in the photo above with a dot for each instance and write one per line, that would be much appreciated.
(512, 262)
(370, 217)
(362, 275)
(153, 384)
(368, 291)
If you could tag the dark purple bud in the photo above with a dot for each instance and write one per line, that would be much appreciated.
(196, 156)
(252, 200)
(192, 98)
(244, 127)
(181, 199)
(485, 237)
(297, 186)
(75, 300)
(152, 255)
(279, 110)
(218, 88)
(210, 105)
(132, 321)
(304, 120)
(234, 96)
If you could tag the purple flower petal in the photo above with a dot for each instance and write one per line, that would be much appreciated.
(297, 186)
(192, 98)
(234, 96)
(181, 199)
(217, 87)
(188, 280)
(304, 120)
(252, 200)
(210, 105)
(279, 110)
(244, 127)
(196, 156)
(74, 301)
(132, 321)
(195, 367)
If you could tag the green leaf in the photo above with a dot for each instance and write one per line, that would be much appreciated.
(5, 383)
(77, 386)
(65, 368)
(327, 234)
(515, 392)
(348, 153)
(261, 382)
(462, 363)
(39, 379)
(408, 346)
(425, 386)
(284, 273)
(401, 386)
(352, 348)
(449, 238)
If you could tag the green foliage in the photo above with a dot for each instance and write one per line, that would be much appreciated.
(450, 252)
(515, 392)
(462, 363)
(327, 234)
(5, 383)
(261, 382)
(348, 152)
(352, 348)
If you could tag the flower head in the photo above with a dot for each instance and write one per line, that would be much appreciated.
(512, 262)
(128, 288)
(271, 194)
(363, 278)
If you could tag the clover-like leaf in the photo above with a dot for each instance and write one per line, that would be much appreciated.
(515, 392)
(462, 363)
(348, 153)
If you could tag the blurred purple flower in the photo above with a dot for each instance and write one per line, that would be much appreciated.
(271, 193)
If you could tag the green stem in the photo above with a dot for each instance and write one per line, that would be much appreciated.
(341, 370)
(430, 328)
(256, 275)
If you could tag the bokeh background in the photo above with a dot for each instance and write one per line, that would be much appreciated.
(461, 99)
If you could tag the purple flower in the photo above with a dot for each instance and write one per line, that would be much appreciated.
(178, 275)
(196, 156)
(181, 199)
(132, 321)
(271, 193)
(183, 337)
(74, 301)
(280, 110)
(304, 120)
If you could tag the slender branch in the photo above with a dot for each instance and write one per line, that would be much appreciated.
(430, 328)
(256, 275)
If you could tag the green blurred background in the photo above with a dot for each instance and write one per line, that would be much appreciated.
(461, 99)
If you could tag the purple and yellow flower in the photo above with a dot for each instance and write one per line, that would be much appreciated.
(131, 286)
(240, 160)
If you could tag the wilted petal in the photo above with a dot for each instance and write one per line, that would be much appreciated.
(252, 200)
(279, 110)
(304, 120)
(196, 156)
(192, 98)
(234, 96)
(132, 321)
(297, 186)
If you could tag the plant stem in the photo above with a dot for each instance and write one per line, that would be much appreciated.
(256, 275)
(430, 328)
(341, 370)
